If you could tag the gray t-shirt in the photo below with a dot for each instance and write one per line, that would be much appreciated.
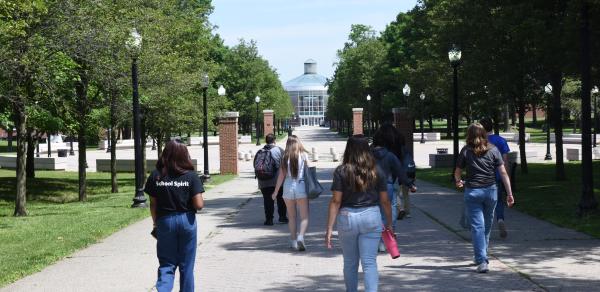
(353, 199)
(481, 171)
(276, 153)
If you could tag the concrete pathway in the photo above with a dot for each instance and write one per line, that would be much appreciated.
(237, 253)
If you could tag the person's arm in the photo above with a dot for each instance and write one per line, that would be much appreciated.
(400, 173)
(198, 201)
(334, 207)
(386, 206)
(510, 200)
(153, 210)
(458, 178)
(280, 178)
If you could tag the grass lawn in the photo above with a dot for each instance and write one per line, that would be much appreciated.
(539, 195)
(58, 224)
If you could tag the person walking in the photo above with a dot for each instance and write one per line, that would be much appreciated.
(408, 165)
(175, 192)
(291, 177)
(388, 162)
(481, 159)
(359, 195)
(266, 168)
(502, 146)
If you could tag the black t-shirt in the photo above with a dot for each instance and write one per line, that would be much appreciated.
(481, 171)
(173, 193)
(352, 199)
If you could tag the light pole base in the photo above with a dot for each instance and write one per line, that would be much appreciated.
(548, 156)
(205, 177)
(139, 201)
(422, 141)
(71, 153)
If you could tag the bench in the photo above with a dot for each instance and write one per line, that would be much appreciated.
(441, 160)
(514, 137)
(128, 165)
(569, 138)
(434, 136)
(40, 163)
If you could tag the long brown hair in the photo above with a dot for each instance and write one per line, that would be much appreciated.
(293, 150)
(175, 159)
(358, 164)
(477, 139)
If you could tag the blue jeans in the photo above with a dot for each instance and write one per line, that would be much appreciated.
(480, 204)
(360, 231)
(176, 247)
(500, 206)
(394, 202)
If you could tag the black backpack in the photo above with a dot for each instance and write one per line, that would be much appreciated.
(264, 164)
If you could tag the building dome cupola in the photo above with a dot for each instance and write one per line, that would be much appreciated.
(310, 66)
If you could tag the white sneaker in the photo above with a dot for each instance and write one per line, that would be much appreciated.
(294, 244)
(381, 247)
(502, 228)
(300, 243)
(483, 268)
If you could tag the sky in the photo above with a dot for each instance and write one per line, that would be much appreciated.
(288, 32)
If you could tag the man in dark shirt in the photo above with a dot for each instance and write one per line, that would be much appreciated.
(267, 186)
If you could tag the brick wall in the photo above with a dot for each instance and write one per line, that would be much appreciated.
(404, 122)
(268, 122)
(228, 142)
(357, 121)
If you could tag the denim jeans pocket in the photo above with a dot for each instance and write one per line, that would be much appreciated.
(343, 223)
(370, 221)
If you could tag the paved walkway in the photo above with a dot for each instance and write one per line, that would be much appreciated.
(237, 253)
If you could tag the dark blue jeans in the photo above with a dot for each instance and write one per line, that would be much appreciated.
(176, 248)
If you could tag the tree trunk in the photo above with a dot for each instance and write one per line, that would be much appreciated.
(506, 118)
(534, 113)
(521, 101)
(430, 122)
(81, 91)
(448, 126)
(159, 144)
(144, 140)
(10, 138)
(30, 168)
(556, 82)
(575, 125)
(113, 142)
(20, 123)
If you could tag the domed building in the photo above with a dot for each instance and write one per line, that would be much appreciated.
(309, 95)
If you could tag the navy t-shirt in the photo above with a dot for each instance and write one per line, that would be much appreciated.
(173, 193)
(358, 199)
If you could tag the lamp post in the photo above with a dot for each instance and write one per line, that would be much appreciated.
(422, 98)
(134, 44)
(406, 91)
(454, 55)
(204, 84)
(257, 101)
(596, 120)
(548, 90)
(71, 152)
(369, 130)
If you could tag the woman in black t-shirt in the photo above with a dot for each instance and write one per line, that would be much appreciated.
(359, 188)
(175, 192)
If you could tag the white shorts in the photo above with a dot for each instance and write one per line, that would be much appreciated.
(294, 190)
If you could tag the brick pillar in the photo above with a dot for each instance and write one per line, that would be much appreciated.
(268, 122)
(228, 142)
(357, 121)
(404, 122)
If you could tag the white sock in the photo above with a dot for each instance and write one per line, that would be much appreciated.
(301, 238)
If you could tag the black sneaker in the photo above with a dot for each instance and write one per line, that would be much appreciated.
(283, 220)
(401, 215)
(269, 222)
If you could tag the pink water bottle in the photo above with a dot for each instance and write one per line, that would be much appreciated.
(390, 243)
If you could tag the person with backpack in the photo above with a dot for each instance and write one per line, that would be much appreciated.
(408, 164)
(267, 162)
(291, 177)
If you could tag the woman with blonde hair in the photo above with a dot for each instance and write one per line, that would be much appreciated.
(294, 192)
(359, 193)
(481, 159)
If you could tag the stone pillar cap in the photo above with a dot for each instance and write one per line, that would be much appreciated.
(230, 115)
(357, 109)
(268, 111)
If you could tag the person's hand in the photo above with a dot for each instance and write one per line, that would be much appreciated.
(390, 228)
(274, 196)
(460, 184)
(510, 200)
(413, 188)
(328, 239)
(153, 232)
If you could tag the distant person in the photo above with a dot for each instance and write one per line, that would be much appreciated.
(266, 168)
(359, 195)
(408, 165)
(481, 159)
(175, 192)
(388, 162)
(291, 177)
(502, 146)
